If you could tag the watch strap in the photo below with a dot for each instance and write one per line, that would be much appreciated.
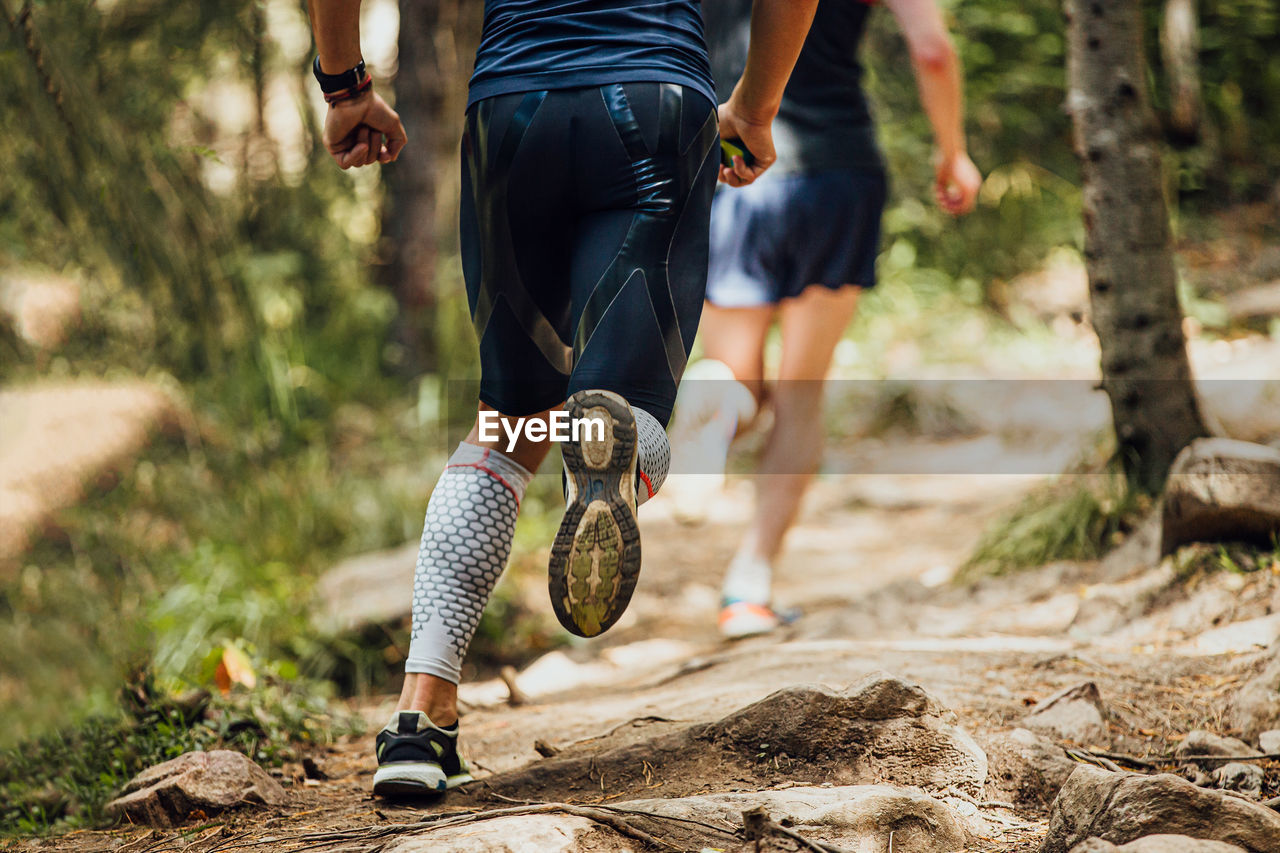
(349, 79)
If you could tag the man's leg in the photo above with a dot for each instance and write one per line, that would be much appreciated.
(638, 276)
(466, 541)
(812, 325)
(494, 522)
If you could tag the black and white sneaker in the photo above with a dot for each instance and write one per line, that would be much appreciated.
(417, 757)
(595, 561)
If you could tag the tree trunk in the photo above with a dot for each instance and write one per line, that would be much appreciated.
(409, 216)
(1180, 53)
(1128, 251)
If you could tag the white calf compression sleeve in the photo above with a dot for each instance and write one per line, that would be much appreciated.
(655, 454)
(466, 540)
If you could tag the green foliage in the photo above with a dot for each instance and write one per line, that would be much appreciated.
(63, 781)
(1240, 558)
(1236, 156)
(215, 536)
(1018, 133)
(231, 266)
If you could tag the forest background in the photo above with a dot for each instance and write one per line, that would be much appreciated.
(310, 326)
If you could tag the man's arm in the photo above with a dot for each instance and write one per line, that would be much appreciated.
(362, 130)
(937, 70)
(778, 30)
(336, 24)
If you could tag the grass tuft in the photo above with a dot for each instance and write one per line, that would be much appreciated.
(1077, 517)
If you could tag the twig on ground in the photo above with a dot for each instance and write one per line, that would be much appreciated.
(1086, 757)
(1181, 759)
(222, 845)
(648, 718)
(125, 848)
(724, 830)
(1129, 759)
(1009, 822)
(997, 804)
(757, 825)
(1273, 803)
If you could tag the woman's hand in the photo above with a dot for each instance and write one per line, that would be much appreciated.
(756, 135)
(956, 183)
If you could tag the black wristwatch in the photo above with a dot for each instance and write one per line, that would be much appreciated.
(348, 79)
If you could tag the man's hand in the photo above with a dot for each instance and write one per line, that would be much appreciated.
(756, 135)
(363, 131)
(956, 184)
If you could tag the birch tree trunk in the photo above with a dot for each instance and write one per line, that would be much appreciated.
(1128, 251)
(1180, 53)
(409, 214)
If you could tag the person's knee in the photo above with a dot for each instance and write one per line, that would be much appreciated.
(654, 450)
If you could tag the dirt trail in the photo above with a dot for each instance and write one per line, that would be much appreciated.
(868, 567)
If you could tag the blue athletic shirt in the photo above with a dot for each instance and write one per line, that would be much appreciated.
(531, 45)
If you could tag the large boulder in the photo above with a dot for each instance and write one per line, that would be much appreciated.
(862, 817)
(1222, 489)
(1123, 807)
(209, 782)
(1075, 714)
(883, 729)
(536, 833)
(1157, 844)
(1256, 707)
(880, 730)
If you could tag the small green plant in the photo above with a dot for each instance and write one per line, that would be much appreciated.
(1242, 558)
(64, 780)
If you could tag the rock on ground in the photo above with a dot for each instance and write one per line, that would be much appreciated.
(1201, 742)
(1123, 807)
(882, 729)
(539, 833)
(1256, 707)
(861, 816)
(1238, 776)
(169, 793)
(1026, 767)
(367, 589)
(1075, 714)
(1222, 489)
(1269, 741)
(42, 306)
(1157, 844)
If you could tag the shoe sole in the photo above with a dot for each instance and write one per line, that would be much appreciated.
(595, 561)
(414, 780)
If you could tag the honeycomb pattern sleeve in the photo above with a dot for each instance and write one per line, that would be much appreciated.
(466, 540)
(655, 454)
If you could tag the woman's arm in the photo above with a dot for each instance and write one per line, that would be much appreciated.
(937, 70)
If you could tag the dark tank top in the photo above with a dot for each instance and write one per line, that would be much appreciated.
(825, 118)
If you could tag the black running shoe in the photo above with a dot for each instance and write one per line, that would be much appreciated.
(595, 561)
(416, 757)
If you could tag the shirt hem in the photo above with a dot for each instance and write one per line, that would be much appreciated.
(582, 79)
